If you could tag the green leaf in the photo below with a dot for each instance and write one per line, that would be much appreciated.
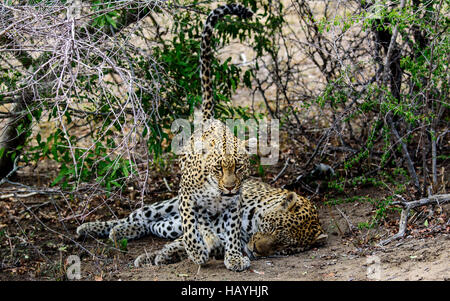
(123, 244)
(125, 171)
(111, 21)
(63, 172)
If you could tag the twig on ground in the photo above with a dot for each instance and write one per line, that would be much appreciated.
(334, 220)
(407, 206)
(34, 206)
(27, 191)
(5, 196)
(167, 185)
(350, 225)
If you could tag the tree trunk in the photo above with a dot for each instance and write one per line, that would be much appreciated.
(10, 139)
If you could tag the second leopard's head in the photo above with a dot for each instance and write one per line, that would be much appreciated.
(288, 228)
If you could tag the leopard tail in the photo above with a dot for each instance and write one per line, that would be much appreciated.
(205, 59)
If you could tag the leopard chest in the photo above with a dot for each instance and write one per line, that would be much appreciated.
(210, 199)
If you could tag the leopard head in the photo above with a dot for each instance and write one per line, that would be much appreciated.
(289, 228)
(229, 171)
(225, 157)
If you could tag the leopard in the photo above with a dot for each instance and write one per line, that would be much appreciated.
(275, 222)
(214, 163)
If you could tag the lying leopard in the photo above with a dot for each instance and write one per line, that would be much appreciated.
(274, 222)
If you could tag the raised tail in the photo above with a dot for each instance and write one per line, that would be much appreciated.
(205, 59)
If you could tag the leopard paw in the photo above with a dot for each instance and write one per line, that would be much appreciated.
(91, 229)
(83, 230)
(145, 259)
(237, 263)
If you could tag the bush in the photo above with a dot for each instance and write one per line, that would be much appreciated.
(361, 87)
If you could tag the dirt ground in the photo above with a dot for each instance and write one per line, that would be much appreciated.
(35, 245)
(414, 258)
(424, 259)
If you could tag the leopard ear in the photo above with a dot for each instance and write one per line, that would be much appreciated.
(320, 238)
(289, 201)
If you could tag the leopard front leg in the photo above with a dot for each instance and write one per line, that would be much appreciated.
(234, 259)
(192, 238)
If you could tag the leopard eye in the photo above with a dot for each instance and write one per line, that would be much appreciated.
(276, 229)
(272, 231)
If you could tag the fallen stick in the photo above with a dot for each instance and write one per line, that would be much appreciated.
(167, 185)
(350, 225)
(438, 199)
(407, 206)
(10, 195)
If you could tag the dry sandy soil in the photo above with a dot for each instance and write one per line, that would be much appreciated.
(345, 257)
(339, 259)
(31, 250)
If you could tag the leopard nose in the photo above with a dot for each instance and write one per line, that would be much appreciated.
(229, 188)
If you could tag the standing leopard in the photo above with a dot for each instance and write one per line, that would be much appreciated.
(214, 162)
(274, 222)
